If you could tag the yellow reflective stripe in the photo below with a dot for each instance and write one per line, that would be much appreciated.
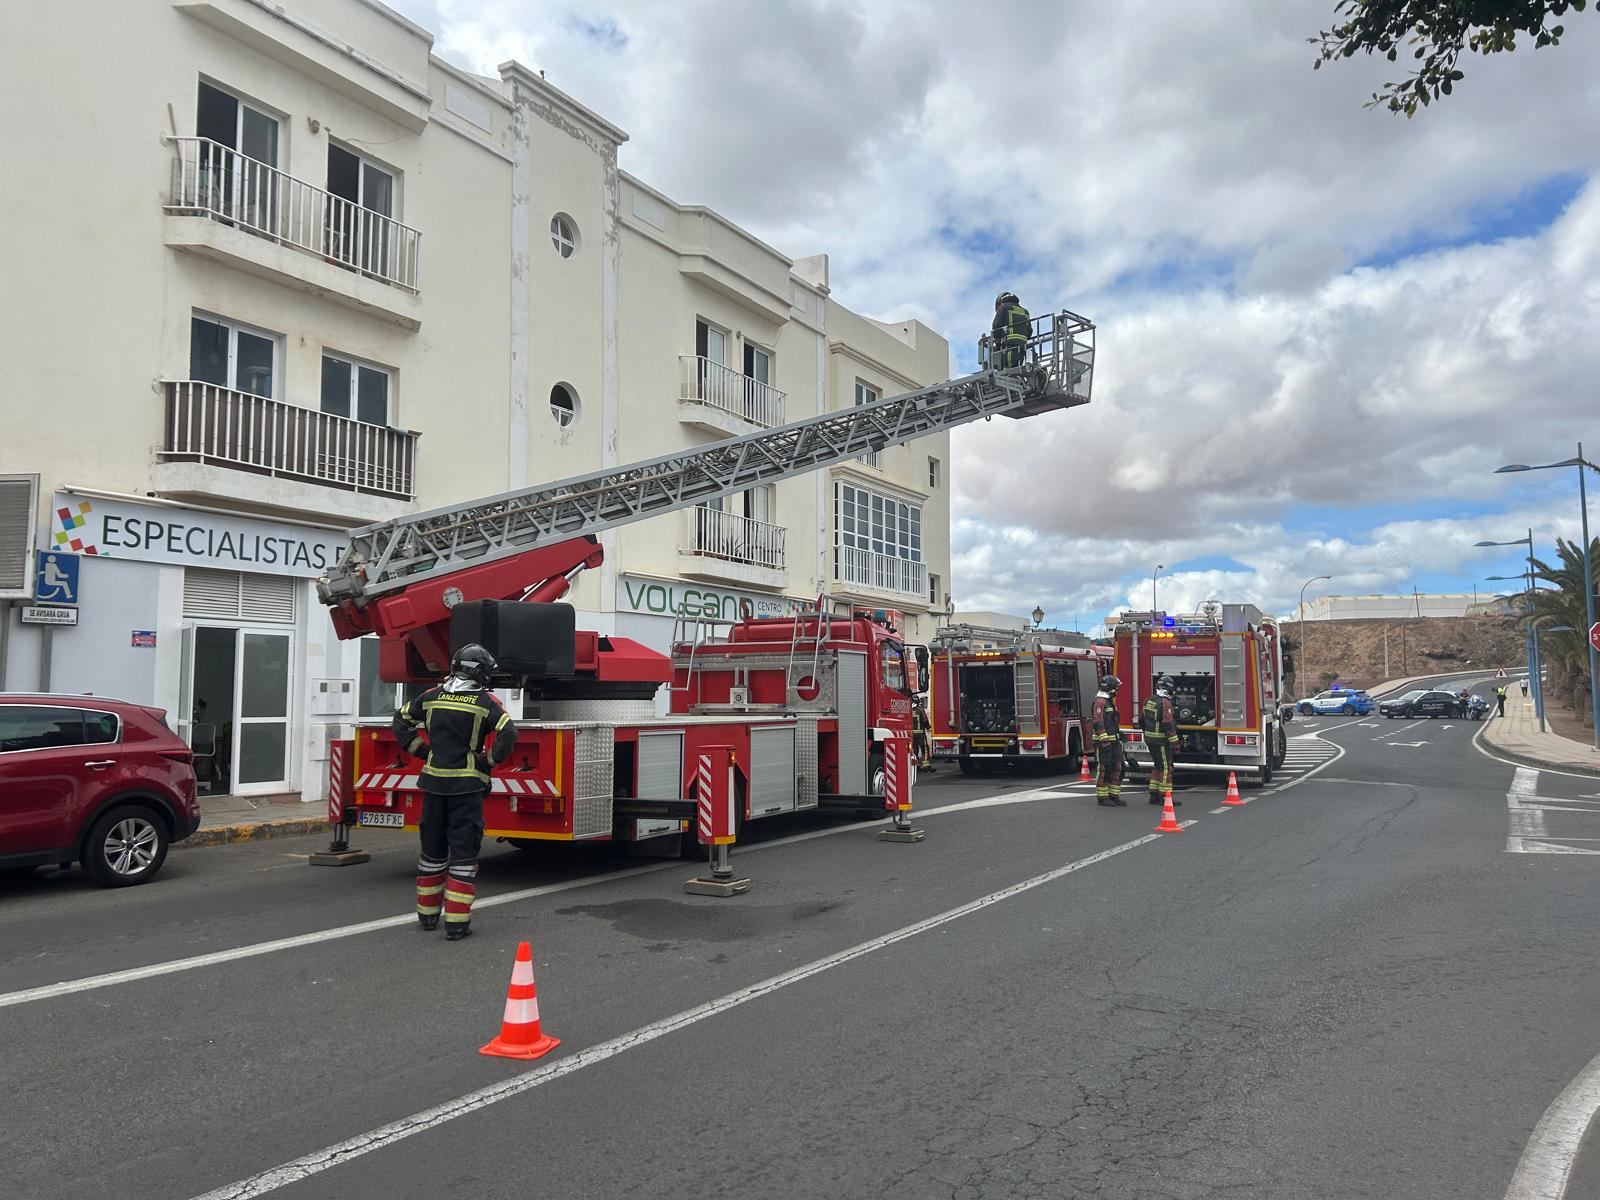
(471, 706)
(453, 772)
(505, 719)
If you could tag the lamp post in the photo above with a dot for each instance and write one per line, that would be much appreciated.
(1159, 568)
(1300, 664)
(1038, 616)
(1580, 462)
(1536, 632)
(1530, 643)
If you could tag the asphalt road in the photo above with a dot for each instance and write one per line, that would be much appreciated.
(1349, 987)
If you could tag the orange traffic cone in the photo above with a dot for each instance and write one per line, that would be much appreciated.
(1233, 790)
(1083, 770)
(1169, 817)
(520, 1035)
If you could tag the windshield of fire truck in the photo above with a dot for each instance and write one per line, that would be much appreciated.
(988, 699)
(894, 666)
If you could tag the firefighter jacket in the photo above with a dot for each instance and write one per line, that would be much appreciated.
(1012, 326)
(1107, 729)
(1157, 720)
(458, 717)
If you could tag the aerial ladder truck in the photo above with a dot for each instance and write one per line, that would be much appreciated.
(806, 703)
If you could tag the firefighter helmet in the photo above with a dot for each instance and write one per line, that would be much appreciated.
(473, 662)
(1111, 683)
(1006, 298)
(1164, 685)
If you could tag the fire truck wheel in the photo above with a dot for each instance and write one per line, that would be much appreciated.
(968, 767)
(875, 783)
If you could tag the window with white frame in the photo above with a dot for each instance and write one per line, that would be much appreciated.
(564, 235)
(867, 394)
(933, 591)
(376, 700)
(877, 539)
(933, 472)
(352, 388)
(232, 355)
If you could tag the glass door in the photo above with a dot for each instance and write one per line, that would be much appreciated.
(262, 683)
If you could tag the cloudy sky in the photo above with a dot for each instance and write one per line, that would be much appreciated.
(1321, 327)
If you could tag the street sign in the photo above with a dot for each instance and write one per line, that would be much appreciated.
(48, 614)
(1594, 635)
(1500, 674)
(55, 580)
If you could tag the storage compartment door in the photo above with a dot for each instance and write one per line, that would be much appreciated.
(660, 777)
(772, 772)
(852, 723)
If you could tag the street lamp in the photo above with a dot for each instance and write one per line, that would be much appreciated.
(1579, 462)
(1300, 664)
(1159, 568)
(1536, 632)
(1038, 616)
(1530, 643)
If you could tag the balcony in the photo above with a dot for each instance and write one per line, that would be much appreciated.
(731, 548)
(259, 219)
(218, 441)
(719, 399)
(857, 568)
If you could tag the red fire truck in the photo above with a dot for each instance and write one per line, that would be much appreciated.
(1012, 696)
(1226, 665)
(806, 701)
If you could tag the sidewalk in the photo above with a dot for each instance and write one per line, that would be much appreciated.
(1516, 736)
(225, 819)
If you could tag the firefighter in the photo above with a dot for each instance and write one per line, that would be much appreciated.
(1008, 336)
(1160, 727)
(1500, 700)
(1108, 745)
(919, 733)
(468, 732)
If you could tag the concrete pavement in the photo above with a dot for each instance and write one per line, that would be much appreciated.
(1517, 736)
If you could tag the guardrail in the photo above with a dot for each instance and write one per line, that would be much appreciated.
(212, 180)
(734, 538)
(886, 572)
(211, 424)
(719, 385)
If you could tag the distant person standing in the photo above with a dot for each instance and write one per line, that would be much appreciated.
(1500, 700)
(1524, 689)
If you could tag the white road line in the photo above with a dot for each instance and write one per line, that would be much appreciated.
(1545, 1168)
(1526, 820)
(432, 1118)
(233, 954)
(1215, 811)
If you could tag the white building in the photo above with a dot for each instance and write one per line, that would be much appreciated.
(275, 271)
(1424, 604)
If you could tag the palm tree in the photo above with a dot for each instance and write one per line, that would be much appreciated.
(1566, 655)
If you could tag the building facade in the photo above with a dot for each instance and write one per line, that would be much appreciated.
(1424, 604)
(295, 274)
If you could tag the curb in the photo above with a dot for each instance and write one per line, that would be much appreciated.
(259, 831)
(1528, 760)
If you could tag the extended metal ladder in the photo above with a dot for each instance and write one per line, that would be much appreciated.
(1057, 373)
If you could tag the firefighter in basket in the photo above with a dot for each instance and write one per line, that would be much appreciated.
(468, 731)
(1160, 726)
(1008, 336)
(1108, 745)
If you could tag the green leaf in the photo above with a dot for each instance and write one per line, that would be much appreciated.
(1445, 87)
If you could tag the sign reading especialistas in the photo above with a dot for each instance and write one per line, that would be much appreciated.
(189, 538)
(664, 598)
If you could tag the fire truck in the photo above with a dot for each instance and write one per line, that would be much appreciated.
(1012, 697)
(807, 701)
(1226, 665)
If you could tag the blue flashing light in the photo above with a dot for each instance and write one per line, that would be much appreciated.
(1169, 622)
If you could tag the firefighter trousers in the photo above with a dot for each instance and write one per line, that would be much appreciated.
(447, 869)
(1160, 765)
(1108, 778)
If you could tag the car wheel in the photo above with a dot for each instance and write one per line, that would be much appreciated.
(125, 846)
(1349, 710)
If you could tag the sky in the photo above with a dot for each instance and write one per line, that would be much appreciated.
(1320, 327)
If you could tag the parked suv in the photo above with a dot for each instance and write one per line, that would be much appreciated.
(88, 779)
(1422, 703)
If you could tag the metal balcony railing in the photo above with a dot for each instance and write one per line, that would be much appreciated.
(886, 572)
(728, 536)
(212, 180)
(710, 382)
(210, 424)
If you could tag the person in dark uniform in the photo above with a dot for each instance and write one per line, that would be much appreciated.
(1108, 745)
(919, 734)
(1008, 336)
(468, 731)
(1160, 726)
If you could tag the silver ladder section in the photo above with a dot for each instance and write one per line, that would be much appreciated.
(819, 622)
(1056, 373)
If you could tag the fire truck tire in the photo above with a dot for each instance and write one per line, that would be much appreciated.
(968, 767)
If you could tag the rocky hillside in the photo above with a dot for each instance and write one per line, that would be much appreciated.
(1365, 653)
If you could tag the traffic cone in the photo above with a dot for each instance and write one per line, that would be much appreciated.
(1083, 769)
(520, 1035)
(1233, 790)
(1169, 817)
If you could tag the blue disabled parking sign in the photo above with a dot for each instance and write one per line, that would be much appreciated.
(56, 579)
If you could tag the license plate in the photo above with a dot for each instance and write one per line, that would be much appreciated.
(393, 820)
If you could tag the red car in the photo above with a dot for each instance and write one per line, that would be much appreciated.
(85, 778)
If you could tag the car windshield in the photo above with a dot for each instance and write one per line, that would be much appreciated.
(1411, 695)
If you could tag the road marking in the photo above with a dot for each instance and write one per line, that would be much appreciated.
(1478, 737)
(1380, 737)
(387, 1135)
(1526, 820)
(1215, 811)
(1545, 1168)
(1411, 744)
(90, 983)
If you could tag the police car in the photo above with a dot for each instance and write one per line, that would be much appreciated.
(1338, 702)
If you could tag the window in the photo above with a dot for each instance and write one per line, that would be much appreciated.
(867, 394)
(760, 401)
(356, 237)
(99, 728)
(375, 699)
(933, 472)
(894, 667)
(933, 592)
(1061, 687)
(25, 727)
(563, 404)
(234, 175)
(231, 122)
(351, 388)
(233, 356)
(878, 540)
(711, 351)
(564, 235)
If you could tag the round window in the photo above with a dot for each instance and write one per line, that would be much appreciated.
(563, 404)
(564, 235)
